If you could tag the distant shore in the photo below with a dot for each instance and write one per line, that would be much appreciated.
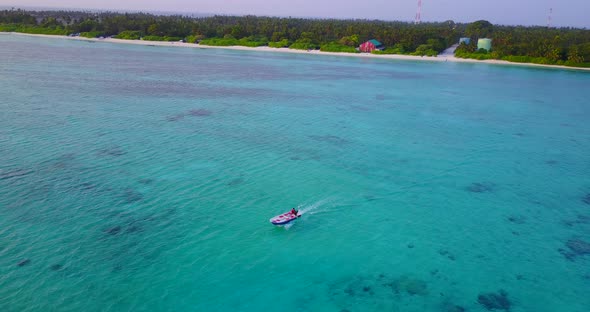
(440, 58)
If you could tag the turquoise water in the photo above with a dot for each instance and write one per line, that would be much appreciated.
(139, 178)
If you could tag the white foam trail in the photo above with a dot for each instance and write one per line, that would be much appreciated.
(315, 207)
(322, 205)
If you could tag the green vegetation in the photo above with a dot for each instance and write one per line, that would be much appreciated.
(193, 38)
(461, 52)
(351, 41)
(306, 41)
(279, 44)
(129, 35)
(563, 46)
(539, 45)
(424, 50)
(229, 40)
(337, 47)
(396, 49)
(91, 34)
(304, 44)
(296, 33)
(8, 27)
(159, 38)
(253, 41)
(29, 29)
(223, 42)
(476, 56)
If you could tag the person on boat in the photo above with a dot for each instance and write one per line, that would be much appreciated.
(294, 212)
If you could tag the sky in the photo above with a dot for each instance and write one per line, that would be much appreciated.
(508, 12)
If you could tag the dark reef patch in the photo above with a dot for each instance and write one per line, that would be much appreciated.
(358, 286)
(129, 224)
(111, 151)
(24, 262)
(5, 175)
(349, 291)
(64, 161)
(56, 267)
(133, 228)
(481, 187)
(409, 285)
(86, 186)
(131, 195)
(455, 308)
(576, 248)
(146, 181)
(175, 117)
(586, 199)
(199, 112)
(446, 253)
(193, 113)
(495, 301)
(398, 75)
(580, 219)
(332, 139)
(551, 162)
(451, 307)
(370, 198)
(113, 230)
(516, 219)
(379, 97)
(360, 108)
(235, 182)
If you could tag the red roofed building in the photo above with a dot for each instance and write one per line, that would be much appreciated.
(371, 46)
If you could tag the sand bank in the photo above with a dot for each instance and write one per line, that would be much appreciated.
(440, 58)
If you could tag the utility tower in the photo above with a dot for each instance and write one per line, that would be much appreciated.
(418, 13)
(549, 18)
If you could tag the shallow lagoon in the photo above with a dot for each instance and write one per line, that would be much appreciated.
(143, 178)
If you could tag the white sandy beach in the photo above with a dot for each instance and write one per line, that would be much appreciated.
(440, 58)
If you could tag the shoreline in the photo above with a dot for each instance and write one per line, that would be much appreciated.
(439, 58)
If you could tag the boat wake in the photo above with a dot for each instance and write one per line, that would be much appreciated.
(314, 207)
(319, 206)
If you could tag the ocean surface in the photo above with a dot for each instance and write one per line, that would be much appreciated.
(142, 178)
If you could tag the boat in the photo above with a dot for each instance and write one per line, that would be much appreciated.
(284, 218)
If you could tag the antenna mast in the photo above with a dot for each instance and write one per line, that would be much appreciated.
(418, 13)
(549, 18)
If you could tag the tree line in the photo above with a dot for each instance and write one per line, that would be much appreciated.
(247, 30)
(567, 46)
(543, 45)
